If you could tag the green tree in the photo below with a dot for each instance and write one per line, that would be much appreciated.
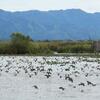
(19, 43)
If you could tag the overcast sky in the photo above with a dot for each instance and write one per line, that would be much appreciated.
(19, 5)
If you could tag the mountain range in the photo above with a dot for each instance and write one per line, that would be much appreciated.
(71, 24)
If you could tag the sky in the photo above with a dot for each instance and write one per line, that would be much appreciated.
(44, 5)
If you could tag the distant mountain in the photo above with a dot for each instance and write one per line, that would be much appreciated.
(72, 24)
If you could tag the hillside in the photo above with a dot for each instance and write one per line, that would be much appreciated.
(72, 24)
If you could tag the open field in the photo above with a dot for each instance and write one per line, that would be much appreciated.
(49, 78)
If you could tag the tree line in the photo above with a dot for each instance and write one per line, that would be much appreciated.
(21, 44)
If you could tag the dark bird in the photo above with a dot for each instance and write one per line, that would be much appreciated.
(49, 69)
(35, 87)
(90, 83)
(35, 73)
(41, 70)
(72, 66)
(81, 84)
(67, 69)
(86, 74)
(49, 73)
(68, 78)
(32, 69)
(61, 88)
(48, 76)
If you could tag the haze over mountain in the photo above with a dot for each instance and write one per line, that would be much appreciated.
(72, 24)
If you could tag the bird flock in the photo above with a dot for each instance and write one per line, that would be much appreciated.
(50, 76)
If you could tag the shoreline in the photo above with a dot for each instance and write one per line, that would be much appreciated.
(58, 54)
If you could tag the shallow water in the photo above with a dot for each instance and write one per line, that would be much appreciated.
(20, 75)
